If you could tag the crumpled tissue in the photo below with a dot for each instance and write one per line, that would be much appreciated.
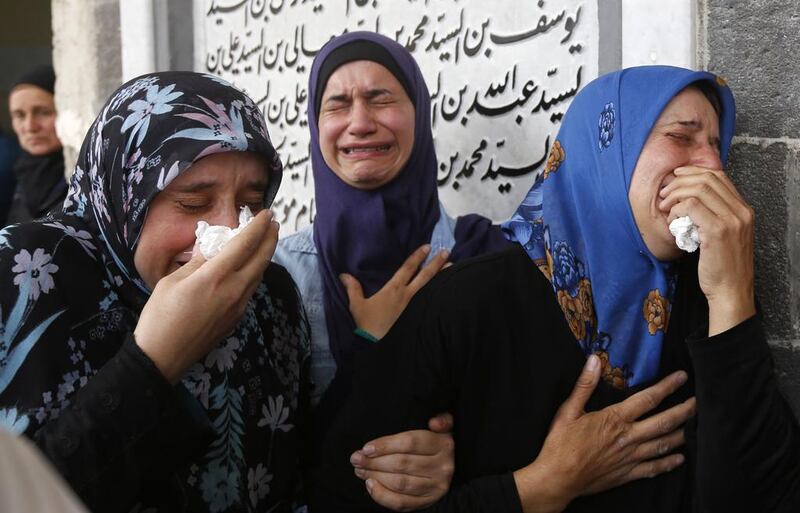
(212, 238)
(685, 232)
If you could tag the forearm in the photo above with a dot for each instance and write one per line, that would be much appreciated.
(125, 424)
(748, 438)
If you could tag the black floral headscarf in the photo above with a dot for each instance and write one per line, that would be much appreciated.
(149, 132)
(70, 296)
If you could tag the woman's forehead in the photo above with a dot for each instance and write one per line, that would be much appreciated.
(361, 74)
(246, 168)
(690, 106)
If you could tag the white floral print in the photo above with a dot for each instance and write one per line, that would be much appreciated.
(275, 414)
(36, 268)
(156, 102)
(258, 480)
(224, 356)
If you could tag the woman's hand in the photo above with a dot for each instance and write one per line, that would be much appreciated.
(378, 314)
(586, 453)
(192, 309)
(725, 225)
(411, 470)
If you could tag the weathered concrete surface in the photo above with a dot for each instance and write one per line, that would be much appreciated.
(86, 57)
(754, 44)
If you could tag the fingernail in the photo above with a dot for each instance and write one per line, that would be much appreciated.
(426, 248)
(444, 253)
(592, 362)
(343, 279)
(360, 472)
(270, 215)
(356, 458)
(682, 377)
(368, 449)
(370, 484)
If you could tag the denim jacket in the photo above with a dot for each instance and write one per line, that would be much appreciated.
(298, 255)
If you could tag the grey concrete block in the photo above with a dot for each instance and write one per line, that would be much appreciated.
(109, 52)
(787, 368)
(753, 45)
(760, 175)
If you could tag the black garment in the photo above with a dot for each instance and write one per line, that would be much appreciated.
(9, 151)
(103, 414)
(487, 341)
(127, 435)
(41, 186)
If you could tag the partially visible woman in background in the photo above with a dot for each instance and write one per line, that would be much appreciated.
(41, 186)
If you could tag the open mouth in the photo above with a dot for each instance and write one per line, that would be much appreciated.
(366, 149)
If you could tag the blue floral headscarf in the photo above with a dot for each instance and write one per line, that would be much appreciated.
(70, 297)
(577, 225)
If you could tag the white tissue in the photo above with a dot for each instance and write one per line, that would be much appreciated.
(211, 238)
(685, 232)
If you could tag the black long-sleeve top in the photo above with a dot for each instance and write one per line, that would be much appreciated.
(487, 341)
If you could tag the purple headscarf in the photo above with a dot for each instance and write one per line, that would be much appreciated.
(369, 234)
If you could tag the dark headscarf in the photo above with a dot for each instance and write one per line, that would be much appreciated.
(40, 183)
(43, 77)
(70, 293)
(577, 225)
(369, 234)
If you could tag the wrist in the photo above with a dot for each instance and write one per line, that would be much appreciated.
(366, 335)
(540, 491)
(166, 364)
(727, 311)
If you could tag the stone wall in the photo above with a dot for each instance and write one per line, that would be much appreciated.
(753, 44)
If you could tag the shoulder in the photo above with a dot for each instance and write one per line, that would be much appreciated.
(45, 255)
(298, 255)
(494, 281)
(276, 275)
(47, 238)
(301, 241)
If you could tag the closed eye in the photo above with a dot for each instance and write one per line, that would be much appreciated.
(191, 208)
(679, 137)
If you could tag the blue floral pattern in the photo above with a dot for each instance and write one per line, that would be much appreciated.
(567, 269)
(606, 125)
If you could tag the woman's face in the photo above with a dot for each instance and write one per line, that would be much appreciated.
(686, 134)
(366, 125)
(212, 190)
(33, 118)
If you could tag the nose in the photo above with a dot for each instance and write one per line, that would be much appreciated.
(707, 156)
(361, 119)
(225, 216)
(28, 124)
